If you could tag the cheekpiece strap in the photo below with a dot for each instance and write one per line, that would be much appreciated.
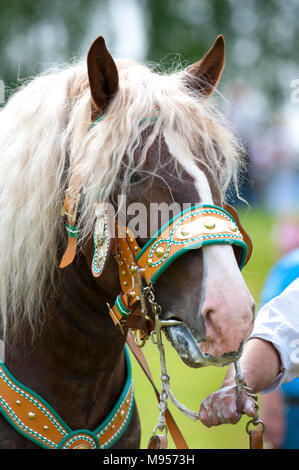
(70, 210)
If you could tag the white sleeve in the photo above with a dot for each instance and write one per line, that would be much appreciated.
(278, 323)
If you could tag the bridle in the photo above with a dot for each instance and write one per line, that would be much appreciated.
(193, 228)
(140, 267)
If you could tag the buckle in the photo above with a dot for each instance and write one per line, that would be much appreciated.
(115, 320)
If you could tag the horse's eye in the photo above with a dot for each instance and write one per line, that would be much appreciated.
(136, 177)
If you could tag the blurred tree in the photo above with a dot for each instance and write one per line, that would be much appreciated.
(35, 34)
(262, 37)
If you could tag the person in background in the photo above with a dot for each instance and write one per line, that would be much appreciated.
(280, 409)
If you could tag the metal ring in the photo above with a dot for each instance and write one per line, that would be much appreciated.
(160, 428)
(154, 341)
(255, 422)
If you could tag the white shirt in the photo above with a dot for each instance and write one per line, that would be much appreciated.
(278, 323)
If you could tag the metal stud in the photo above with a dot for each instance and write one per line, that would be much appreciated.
(160, 251)
(232, 227)
(132, 294)
(132, 269)
(135, 248)
(46, 428)
(100, 242)
(122, 413)
(121, 263)
(31, 415)
(113, 426)
(123, 273)
(125, 283)
(18, 402)
(185, 232)
(209, 225)
(150, 262)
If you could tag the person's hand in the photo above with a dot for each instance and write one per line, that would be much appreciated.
(223, 407)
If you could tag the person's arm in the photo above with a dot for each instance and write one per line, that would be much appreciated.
(269, 358)
(260, 365)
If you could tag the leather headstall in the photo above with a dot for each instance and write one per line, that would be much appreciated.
(194, 228)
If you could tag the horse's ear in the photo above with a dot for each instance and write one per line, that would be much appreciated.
(205, 74)
(102, 74)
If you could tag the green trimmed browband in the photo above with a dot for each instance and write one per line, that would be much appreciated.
(151, 119)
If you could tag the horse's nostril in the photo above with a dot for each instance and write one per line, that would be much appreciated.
(210, 324)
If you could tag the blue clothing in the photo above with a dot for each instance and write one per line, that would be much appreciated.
(285, 271)
(291, 439)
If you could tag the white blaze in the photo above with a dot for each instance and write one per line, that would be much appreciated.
(223, 286)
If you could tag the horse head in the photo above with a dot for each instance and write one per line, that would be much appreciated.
(162, 147)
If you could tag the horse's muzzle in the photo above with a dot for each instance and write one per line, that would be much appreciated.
(188, 349)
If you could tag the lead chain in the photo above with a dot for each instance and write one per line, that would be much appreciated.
(166, 392)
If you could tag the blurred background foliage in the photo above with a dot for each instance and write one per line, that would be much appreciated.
(262, 62)
(262, 36)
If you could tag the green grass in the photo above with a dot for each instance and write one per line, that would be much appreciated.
(191, 386)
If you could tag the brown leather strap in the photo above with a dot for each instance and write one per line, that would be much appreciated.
(70, 208)
(139, 322)
(176, 434)
(246, 237)
(70, 253)
(157, 442)
(256, 439)
(34, 419)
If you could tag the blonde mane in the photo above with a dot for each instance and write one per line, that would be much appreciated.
(45, 144)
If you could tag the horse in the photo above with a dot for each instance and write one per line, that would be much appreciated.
(72, 139)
